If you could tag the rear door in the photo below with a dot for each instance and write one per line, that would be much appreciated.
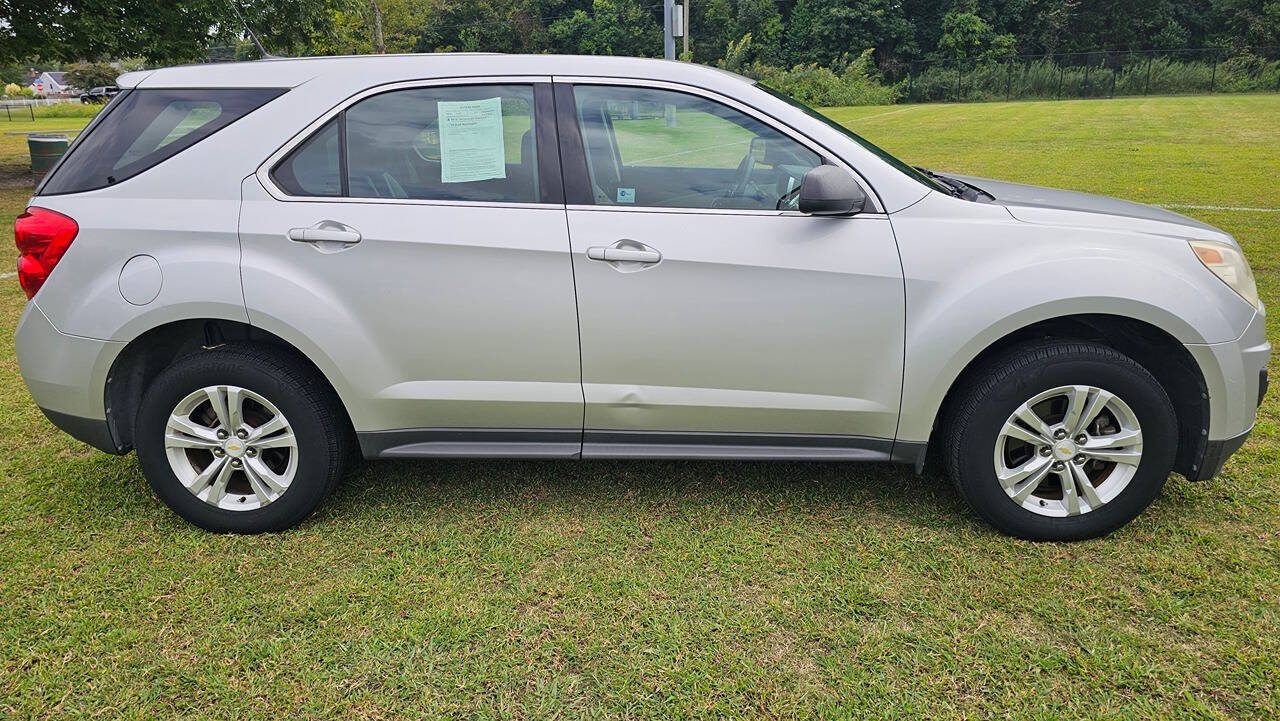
(715, 318)
(414, 241)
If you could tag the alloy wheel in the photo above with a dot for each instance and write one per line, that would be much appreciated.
(1068, 450)
(231, 448)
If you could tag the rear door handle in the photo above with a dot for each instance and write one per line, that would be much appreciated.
(625, 255)
(345, 236)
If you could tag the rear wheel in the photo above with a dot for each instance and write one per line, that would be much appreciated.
(241, 439)
(1060, 441)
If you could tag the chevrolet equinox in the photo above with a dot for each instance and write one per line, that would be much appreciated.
(254, 273)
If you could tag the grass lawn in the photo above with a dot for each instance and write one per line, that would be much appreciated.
(653, 589)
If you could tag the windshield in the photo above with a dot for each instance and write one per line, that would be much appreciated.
(897, 164)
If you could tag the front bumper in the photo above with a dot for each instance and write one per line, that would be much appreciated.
(67, 377)
(1235, 376)
(1215, 456)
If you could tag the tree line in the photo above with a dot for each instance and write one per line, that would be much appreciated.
(783, 33)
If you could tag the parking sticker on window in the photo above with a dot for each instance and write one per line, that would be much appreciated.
(626, 195)
(471, 144)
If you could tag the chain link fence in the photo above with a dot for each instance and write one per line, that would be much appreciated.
(1098, 74)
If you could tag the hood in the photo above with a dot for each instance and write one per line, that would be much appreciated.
(1035, 204)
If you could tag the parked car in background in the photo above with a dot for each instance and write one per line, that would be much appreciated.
(252, 277)
(99, 94)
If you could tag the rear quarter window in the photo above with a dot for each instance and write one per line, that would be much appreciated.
(146, 127)
(314, 168)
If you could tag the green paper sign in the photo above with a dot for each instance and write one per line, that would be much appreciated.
(471, 144)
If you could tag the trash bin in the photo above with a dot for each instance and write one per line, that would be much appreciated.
(45, 151)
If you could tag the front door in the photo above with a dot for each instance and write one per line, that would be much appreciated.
(415, 245)
(714, 318)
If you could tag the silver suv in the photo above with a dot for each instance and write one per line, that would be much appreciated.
(254, 273)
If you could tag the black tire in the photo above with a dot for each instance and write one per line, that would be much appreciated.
(996, 389)
(321, 429)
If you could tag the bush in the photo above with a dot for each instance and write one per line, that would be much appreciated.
(67, 110)
(15, 91)
(847, 82)
(1248, 74)
(1039, 79)
(1132, 75)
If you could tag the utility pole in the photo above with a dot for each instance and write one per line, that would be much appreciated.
(668, 29)
(379, 46)
(684, 27)
(669, 49)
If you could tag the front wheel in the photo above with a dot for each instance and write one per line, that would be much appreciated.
(1060, 441)
(241, 439)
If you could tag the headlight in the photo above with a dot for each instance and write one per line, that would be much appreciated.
(1228, 263)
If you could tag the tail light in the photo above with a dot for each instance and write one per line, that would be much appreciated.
(42, 237)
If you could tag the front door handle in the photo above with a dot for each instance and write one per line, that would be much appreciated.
(625, 251)
(624, 254)
(324, 234)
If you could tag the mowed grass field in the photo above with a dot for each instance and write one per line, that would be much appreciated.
(486, 589)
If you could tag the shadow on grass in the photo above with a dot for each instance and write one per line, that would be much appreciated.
(100, 489)
(476, 487)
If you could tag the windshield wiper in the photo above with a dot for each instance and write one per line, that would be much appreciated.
(957, 188)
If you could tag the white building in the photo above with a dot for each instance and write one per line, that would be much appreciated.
(50, 83)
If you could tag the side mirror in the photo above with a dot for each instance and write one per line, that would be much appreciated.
(828, 190)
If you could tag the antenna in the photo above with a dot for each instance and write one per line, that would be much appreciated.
(235, 7)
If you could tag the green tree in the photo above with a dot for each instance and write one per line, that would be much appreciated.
(14, 71)
(1247, 23)
(1172, 35)
(91, 75)
(512, 26)
(1001, 47)
(350, 30)
(711, 29)
(761, 20)
(42, 33)
(823, 30)
(964, 32)
(613, 27)
(160, 32)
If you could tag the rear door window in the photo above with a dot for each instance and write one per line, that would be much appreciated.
(466, 142)
(444, 143)
(147, 127)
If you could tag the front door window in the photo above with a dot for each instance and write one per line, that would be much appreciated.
(654, 148)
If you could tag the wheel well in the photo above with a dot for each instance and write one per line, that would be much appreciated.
(1152, 348)
(150, 353)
